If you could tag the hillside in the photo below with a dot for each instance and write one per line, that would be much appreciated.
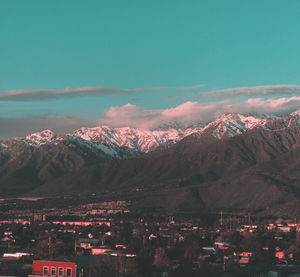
(235, 162)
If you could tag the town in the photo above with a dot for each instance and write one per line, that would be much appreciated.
(110, 239)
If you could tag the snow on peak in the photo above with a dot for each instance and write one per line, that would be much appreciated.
(40, 138)
(139, 140)
(117, 141)
(113, 140)
(296, 113)
(235, 117)
(293, 119)
(229, 117)
(232, 124)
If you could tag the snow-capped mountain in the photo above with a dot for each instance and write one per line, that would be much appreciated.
(139, 140)
(293, 119)
(101, 157)
(215, 169)
(133, 141)
(229, 125)
(130, 142)
(43, 137)
(296, 114)
(115, 142)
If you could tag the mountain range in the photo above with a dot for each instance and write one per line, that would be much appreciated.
(237, 162)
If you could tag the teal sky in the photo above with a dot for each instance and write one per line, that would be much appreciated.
(142, 44)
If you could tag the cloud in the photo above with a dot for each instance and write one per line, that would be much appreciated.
(270, 91)
(48, 94)
(191, 113)
(187, 114)
(258, 91)
(130, 115)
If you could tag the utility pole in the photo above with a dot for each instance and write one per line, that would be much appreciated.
(221, 217)
(49, 242)
(298, 235)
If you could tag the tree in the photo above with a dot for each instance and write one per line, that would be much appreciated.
(191, 247)
(45, 248)
(161, 260)
(113, 267)
(145, 261)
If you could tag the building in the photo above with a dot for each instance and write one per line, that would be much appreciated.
(87, 243)
(54, 268)
(62, 266)
(100, 250)
(82, 223)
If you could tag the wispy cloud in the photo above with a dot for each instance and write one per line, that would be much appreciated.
(48, 94)
(257, 91)
(268, 91)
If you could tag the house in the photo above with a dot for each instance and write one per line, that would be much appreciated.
(63, 266)
(271, 226)
(284, 255)
(87, 243)
(222, 245)
(209, 250)
(54, 268)
(121, 246)
(285, 229)
(280, 255)
(100, 250)
(245, 257)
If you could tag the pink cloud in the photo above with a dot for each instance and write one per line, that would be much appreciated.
(191, 113)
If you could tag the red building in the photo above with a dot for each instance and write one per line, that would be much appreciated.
(63, 266)
(54, 268)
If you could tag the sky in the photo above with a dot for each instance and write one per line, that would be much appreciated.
(68, 64)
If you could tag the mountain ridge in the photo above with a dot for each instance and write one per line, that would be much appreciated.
(229, 163)
(143, 140)
(255, 170)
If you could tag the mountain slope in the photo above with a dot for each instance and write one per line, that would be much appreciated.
(257, 171)
(198, 155)
(139, 140)
(234, 162)
(26, 163)
(24, 166)
(229, 125)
